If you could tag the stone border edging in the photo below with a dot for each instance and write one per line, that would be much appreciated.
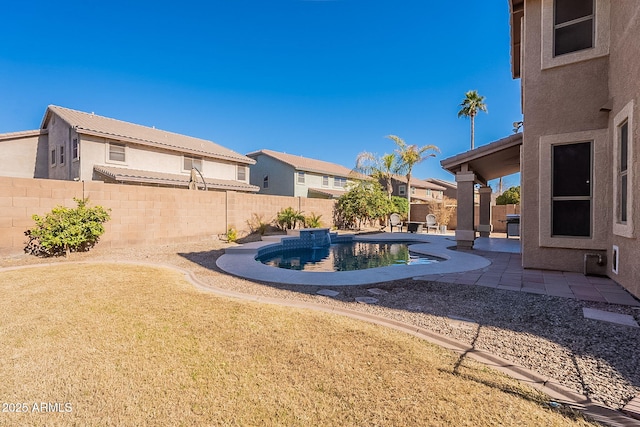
(549, 386)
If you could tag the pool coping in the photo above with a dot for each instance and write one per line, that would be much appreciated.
(240, 261)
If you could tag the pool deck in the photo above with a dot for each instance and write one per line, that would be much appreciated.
(494, 262)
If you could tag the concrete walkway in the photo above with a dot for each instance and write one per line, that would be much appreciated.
(506, 272)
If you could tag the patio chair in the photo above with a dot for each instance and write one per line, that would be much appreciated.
(396, 221)
(432, 222)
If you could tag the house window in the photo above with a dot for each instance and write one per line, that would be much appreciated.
(53, 157)
(75, 149)
(61, 153)
(117, 152)
(413, 191)
(242, 173)
(428, 192)
(300, 177)
(325, 181)
(571, 189)
(339, 182)
(402, 190)
(573, 26)
(265, 181)
(191, 163)
(623, 172)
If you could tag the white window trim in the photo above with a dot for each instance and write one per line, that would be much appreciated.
(126, 153)
(626, 114)
(402, 190)
(300, 177)
(599, 206)
(323, 177)
(186, 156)
(339, 182)
(246, 173)
(600, 39)
(75, 156)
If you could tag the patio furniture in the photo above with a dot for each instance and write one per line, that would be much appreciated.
(432, 222)
(396, 221)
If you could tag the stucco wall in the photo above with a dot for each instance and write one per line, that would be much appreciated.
(281, 176)
(558, 100)
(624, 85)
(24, 154)
(142, 215)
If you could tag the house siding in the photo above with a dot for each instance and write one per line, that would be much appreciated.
(24, 155)
(281, 176)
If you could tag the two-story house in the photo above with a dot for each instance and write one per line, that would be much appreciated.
(579, 65)
(422, 191)
(74, 145)
(285, 174)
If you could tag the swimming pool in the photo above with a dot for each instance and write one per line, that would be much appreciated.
(241, 261)
(346, 256)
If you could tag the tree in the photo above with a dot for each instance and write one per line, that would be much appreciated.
(471, 104)
(511, 196)
(365, 201)
(381, 168)
(411, 155)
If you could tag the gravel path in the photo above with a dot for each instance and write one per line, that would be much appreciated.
(546, 334)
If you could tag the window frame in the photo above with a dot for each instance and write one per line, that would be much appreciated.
(75, 149)
(573, 23)
(53, 153)
(601, 36)
(600, 174)
(339, 182)
(300, 177)
(242, 173)
(111, 144)
(61, 155)
(402, 189)
(265, 182)
(624, 116)
(192, 160)
(325, 180)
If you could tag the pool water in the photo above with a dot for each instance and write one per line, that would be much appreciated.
(346, 257)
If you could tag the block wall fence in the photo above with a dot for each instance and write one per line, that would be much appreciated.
(143, 215)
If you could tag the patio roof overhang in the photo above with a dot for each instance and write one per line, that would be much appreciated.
(497, 159)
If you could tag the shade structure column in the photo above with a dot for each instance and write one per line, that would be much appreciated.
(484, 227)
(465, 233)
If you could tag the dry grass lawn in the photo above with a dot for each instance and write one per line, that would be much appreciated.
(127, 345)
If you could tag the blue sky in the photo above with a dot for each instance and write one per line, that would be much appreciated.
(324, 79)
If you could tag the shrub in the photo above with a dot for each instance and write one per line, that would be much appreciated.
(313, 221)
(65, 230)
(257, 225)
(232, 235)
(511, 196)
(288, 218)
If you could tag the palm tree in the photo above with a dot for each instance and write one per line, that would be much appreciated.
(411, 155)
(380, 168)
(470, 106)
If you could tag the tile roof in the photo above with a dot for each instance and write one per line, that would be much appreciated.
(305, 164)
(150, 177)
(92, 124)
(419, 183)
(334, 194)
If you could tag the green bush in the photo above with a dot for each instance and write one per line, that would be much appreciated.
(313, 221)
(511, 196)
(232, 235)
(288, 218)
(65, 230)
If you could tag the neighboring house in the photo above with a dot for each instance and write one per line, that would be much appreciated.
(422, 191)
(579, 65)
(285, 174)
(451, 189)
(73, 145)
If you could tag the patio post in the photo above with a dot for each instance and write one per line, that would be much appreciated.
(484, 227)
(465, 233)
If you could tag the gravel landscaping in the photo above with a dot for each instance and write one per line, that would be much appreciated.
(546, 334)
